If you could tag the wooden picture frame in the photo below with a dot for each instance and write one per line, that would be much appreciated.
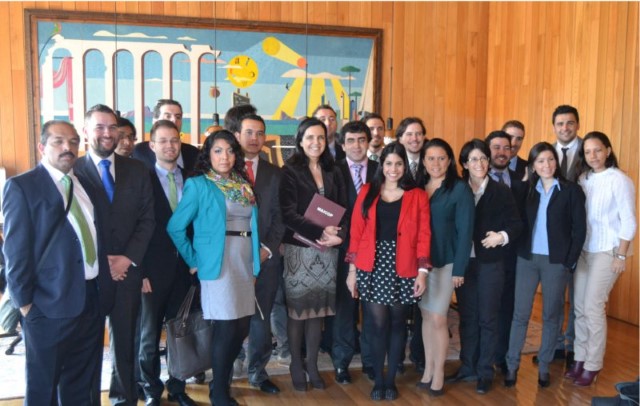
(129, 61)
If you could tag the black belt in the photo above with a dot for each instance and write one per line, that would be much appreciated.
(239, 233)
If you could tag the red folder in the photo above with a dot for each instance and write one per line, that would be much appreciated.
(321, 212)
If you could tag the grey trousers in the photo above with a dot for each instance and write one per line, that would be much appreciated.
(552, 277)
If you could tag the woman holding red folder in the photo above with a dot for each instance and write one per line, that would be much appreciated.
(389, 253)
(309, 274)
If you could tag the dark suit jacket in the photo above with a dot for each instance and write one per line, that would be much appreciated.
(267, 188)
(129, 218)
(162, 262)
(496, 211)
(297, 188)
(573, 171)
(142, 152)
(340, 155)
(352, 195)
(566, 224)
(521, 167)
(32, 206)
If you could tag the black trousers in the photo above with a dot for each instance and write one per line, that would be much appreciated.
(259, 348)
(162, 303)
(506, 306)
(479, 305)
(122, 329)
(62, 354)
(344, 322)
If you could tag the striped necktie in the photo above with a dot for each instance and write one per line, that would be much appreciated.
(357, 178)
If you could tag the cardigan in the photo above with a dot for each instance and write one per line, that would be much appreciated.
(203, 204)
(452, 217)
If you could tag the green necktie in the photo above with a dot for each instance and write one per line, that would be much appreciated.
(88, 245)
(173, 191)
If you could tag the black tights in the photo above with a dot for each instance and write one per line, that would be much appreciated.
(387, 334)
(228, 336)
(311, 330)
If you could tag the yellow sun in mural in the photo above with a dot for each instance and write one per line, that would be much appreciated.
(242, 71)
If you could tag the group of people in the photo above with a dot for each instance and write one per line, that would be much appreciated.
(123, 233)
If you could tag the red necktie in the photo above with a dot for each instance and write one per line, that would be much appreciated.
(250, 174)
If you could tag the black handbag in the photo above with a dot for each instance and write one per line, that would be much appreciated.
(188, 341)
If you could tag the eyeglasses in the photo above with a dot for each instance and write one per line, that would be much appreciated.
(476, 160)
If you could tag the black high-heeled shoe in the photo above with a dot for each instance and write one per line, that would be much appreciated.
(315, 379)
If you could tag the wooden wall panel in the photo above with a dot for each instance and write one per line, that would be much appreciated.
(541, 55)
(464, 67)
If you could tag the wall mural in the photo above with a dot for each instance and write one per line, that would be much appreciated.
(129, 62)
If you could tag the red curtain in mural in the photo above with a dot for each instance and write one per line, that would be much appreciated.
(64, 75)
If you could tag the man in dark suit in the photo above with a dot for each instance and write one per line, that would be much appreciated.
(566, 124)
(166, 277)
(499, 143)
(167, 109)
(376, 125)
(357, 170)
(53, 260)
(327, 115)
(127, 137)
(515, 129)
(126, 198)
(265, 178)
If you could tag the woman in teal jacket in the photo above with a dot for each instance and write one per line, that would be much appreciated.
(220, 205)
(452, 215)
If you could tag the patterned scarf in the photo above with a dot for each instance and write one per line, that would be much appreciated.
(235, 188)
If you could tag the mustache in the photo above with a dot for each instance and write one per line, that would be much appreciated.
(69, 154)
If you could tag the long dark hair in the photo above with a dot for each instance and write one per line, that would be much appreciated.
(533, 155)
(299, 158)
(203, 164)
(451, 177)
(611, 161)
(406, 182)
(469, 146)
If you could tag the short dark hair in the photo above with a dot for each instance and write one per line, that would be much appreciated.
(565, 109)
(164, 102)
(469, 146)
(162, 124)
(354, 127)
(611, 161)
(324, 107)
(251, 116)
(99, 108)
(514, 124)
(371, 116)
(497, 134)
(233, 116)
(45, 133)
(123, 122)
(203, 164)
(406, 122)
(299, 158)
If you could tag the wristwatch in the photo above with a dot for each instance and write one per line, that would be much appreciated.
(620, 256)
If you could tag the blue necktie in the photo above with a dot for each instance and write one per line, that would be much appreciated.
(107, 179)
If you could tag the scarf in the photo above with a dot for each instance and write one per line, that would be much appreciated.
(235, 188)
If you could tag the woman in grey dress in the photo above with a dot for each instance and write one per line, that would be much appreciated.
(309, 274)
(220, 205)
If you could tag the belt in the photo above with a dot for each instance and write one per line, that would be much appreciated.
(239, 233)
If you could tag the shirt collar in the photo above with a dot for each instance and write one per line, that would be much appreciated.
(540, 188)
(55, 174)
(96, 159)
(363, 162)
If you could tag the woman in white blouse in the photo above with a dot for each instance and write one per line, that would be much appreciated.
(611, 225)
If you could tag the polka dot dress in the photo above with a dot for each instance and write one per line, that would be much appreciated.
(383, 285)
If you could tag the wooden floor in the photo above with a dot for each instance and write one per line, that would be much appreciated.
(621, 364)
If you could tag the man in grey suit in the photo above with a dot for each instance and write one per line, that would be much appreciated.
(566, 123)
(126, 198)
(265, 178)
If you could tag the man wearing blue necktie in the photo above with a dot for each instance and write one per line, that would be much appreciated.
(126, 199)
(53, 260)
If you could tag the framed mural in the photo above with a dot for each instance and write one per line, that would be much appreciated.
(128, 62)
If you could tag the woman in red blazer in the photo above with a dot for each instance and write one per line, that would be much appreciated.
(389, 256)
